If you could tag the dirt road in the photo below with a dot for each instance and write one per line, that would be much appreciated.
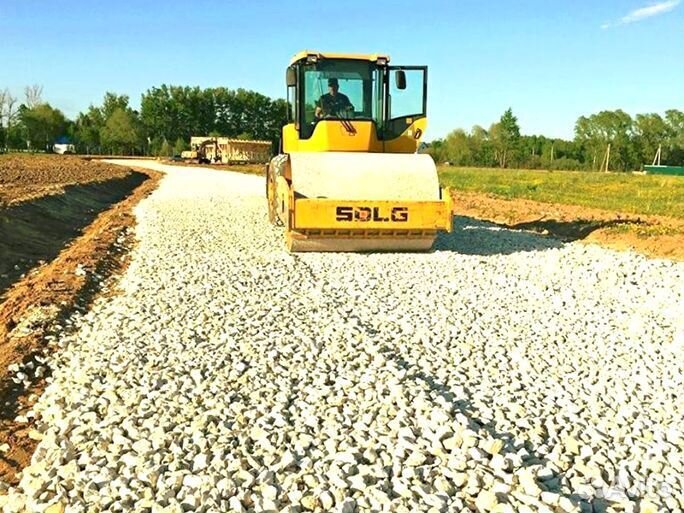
(503, 372)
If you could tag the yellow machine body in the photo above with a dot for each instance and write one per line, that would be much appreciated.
(352, 181)
(331, 136)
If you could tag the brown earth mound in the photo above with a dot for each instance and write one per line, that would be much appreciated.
(25, 176)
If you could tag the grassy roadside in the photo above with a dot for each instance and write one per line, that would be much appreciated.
(622, 211)
(624, 192)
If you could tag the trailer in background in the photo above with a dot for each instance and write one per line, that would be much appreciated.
(223, 150)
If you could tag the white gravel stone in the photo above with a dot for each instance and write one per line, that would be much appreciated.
(348, 505)
(229, 375)
(327, 500)
(486, 501)
(199, 462)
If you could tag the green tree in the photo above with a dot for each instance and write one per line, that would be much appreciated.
(180, 146)
(174, 112)
(248, 112)
(651, 131)
(165, 150)
(15, 135)
(530, 151)
(87, 130)
(481, 147)
(595, 132)
(457, 148)
(120, 133)
(113, 102)
(505, 136)
(43, 124)
(435, 149)
(91, 125)
(154, 145)
(675, 123)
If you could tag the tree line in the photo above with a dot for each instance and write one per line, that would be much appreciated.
(633, 143)
(167, 118)
(169, 115)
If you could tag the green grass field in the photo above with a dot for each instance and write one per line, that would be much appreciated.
(624, 192)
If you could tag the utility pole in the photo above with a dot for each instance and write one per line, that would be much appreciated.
(606, 160)
(656, 159)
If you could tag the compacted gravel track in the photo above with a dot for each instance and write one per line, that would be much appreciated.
(502, 372)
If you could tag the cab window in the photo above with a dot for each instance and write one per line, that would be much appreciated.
(357, 80)
(409, 101)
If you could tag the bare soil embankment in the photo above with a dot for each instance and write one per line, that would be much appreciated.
(35, 231)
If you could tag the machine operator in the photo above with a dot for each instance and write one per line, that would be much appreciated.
(333, 103)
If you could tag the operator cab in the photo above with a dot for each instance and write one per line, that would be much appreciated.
(390, 98)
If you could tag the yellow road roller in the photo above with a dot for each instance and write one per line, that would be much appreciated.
(348, 177)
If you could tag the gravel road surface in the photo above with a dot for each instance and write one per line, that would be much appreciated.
(503, 372)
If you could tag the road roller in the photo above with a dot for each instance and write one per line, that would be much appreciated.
(348, 176)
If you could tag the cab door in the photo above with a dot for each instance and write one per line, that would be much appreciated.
(406, 111)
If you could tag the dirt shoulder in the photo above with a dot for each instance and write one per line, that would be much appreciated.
(655, 236)
(36, 306)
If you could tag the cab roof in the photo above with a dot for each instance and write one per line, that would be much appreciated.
(372, 57)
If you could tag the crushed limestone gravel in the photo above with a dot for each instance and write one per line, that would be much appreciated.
(503, 372)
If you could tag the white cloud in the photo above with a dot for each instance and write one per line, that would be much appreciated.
(644, 12)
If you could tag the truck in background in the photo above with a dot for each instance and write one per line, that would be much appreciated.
(223, 150)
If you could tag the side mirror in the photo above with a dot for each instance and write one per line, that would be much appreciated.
(400, 79)
(291, 77)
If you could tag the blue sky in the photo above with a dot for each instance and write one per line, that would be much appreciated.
(551, 61)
